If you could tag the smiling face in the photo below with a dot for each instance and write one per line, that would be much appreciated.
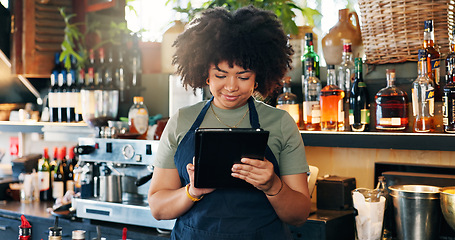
(230, 87)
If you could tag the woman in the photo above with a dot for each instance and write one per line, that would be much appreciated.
(235, 54)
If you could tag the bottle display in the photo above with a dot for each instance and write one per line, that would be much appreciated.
(138, 118)
(288, 101)
(311, 108)
(25, 229)
(423, 97)
(331, 101)
(433, 59)
(54, 89)
(136, 63)
(391, 106)
(44, 176)
(359, 103)
(346, 69)
(310, 55)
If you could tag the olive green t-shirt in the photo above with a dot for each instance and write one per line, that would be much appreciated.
(285, 140)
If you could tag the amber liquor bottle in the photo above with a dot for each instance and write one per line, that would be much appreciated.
(311, 108)
(391, 106)
(359, 103)
(331, 101)
(288, 101)
(423, 97)
(433, 59)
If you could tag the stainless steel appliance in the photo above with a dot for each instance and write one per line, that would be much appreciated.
(128, 160)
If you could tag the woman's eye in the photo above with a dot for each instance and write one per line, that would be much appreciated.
(244, 78)
(220, 76)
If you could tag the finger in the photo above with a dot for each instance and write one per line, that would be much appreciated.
(255, 162)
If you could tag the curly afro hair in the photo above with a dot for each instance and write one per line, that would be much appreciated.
(248, 37)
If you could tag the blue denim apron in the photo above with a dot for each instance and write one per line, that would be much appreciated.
(227, 213)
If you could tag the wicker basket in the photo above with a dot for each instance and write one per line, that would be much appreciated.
(392, 30)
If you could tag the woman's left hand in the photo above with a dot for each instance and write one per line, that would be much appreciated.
(259, 173)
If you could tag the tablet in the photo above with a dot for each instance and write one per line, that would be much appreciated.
(217, 149)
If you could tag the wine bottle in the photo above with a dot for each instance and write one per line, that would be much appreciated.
(359, 103)
(62, 96)
(448, 99)
(71, 94)
(53, 101)
(79, 85)
(58, 187)
(433, 59)
(44, 176)
(88, 90)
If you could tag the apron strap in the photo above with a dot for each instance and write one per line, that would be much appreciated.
(254, 119)
(201, 116)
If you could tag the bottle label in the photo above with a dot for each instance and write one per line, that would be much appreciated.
(364, 116)
(57, 189)
(435, 63)
(390, 121)
(445, 109)
(415, 103)
(43, 178)
(292, 109)
(362, 84)
(311, 113)
(140, 120)
(52, 98)
(429, 97)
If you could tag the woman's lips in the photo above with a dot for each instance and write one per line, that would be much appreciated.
(231, 98)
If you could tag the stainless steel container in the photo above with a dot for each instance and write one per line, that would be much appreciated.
(111, 188)
(417, 211)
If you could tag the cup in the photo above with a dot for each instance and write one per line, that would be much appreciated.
(370, 206)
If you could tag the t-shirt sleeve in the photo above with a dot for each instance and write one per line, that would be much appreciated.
(168, 145)
(292, 159)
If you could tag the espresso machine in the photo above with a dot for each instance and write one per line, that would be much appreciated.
(115, 176)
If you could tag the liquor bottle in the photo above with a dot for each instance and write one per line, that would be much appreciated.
(331, 101)
(71, 95)
(359, 103)
(381, 189)
(391, 106)
(448, 108)
(25, 229)
(111, 92)
(58, 186)
(310, 54)
(121, 76)
(101, 105)
(450, 60)
(423, 97)
(433, 59)
(346, 69)
(138, 118)
(44, 176)
(136, 63)
(311, 108)
(288, 101)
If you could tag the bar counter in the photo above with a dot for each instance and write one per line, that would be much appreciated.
(40, 219)
(322, 224)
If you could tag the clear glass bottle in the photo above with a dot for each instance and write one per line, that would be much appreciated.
(310, 54)
(311, 108)
(288, 101)
(138, 118)
(423, 97)
(359, 103)
(331, 101)
(433, 59)
(391, 106)
(346, 72)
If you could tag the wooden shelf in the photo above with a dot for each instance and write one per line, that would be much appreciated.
(380, 140)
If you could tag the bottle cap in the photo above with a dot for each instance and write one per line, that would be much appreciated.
(330, 66)
(78, 234)
(138, 99)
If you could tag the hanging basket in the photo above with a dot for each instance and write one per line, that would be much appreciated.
(392, 31)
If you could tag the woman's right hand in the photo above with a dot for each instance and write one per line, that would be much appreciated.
(193, 191)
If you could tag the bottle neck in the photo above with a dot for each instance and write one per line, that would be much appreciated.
(390, 79)
(422, 68)
(309, 47)
(287, 88)
(428, 39)
(331, 77)
(358, 71)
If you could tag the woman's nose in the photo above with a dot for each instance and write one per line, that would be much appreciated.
(231, 84)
